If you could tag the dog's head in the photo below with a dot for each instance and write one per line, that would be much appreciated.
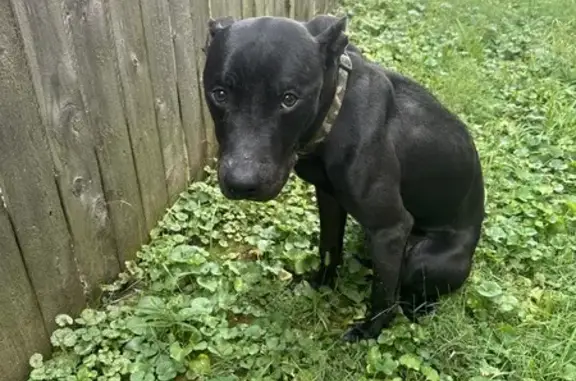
(266, 82)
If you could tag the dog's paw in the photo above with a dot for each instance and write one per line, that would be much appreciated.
(357, 333)
(321, 279)
(415, 314)
(315, 280)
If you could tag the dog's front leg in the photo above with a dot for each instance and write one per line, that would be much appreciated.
(332, 225)
(386, 251)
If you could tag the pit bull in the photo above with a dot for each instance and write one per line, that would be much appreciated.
(286, 95)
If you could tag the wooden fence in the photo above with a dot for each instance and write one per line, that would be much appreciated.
(102, 125)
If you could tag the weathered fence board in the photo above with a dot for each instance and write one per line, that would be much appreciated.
(29, 188)
(289, 4)
(188, 84)
(22, 330)
(280, 8)
(200, 17)
(51, 58)
(270, 7)
(325, 6)
(226, 8)
(248, 8)
(98, 79)
(126, 20)
(261, 7)
(159, 38)
(304, 9)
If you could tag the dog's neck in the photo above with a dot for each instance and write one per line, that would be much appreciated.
(328, 120)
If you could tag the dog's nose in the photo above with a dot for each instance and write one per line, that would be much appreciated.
(242, 183)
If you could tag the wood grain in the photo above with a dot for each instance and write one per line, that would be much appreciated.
(262, 7)
(159, 38)
(280, 8)
(304, 9)
(248, 8)
(52, 60)
(22, 330)
(126, 23)
(102, 95)
(29, 187)
(220, 8)
(188, 85)
(290, 8)
(200, 17)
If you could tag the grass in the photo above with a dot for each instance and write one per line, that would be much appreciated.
(211, 297)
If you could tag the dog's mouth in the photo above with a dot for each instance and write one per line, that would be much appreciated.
(266, 188)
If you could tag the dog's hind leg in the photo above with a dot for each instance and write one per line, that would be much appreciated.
(332, 225)
(416, 235)
(437, 265)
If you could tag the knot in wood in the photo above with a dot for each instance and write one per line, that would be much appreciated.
(135, 61)
(78, 186)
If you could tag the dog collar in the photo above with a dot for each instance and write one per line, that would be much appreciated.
(344, 69)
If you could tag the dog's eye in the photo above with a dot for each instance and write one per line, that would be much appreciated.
(289, 100)
(219, 95)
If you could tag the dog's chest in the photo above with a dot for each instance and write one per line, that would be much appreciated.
(311, 170)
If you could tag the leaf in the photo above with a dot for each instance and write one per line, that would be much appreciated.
(380, 363)
(300, 266)
(430, 373)
(187, 254)
(489, 289)
(209, 283)
(496, 233)
(198, 306)
(84, 348)
(137, 325)
(178, 353)
(63, 337)
(239, 285)
(200, 365)
(254, 331)
(36, 361)
(272, 343)
(151, 304)
(165, 369)
(388, 365)
(38, 374)
(353, 294)
(182, 217)
(508, 303)
(63, 320)
(92, 317)
(142, 375)
(284, 275)
(569, 372)
(410, 361)
(252, 349)
(110, 333)
(558, 165)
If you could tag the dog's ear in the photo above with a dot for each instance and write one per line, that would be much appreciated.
(215, 26)
(218, 24)
(332, 40)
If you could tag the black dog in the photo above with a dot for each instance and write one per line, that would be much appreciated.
(288, 95)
